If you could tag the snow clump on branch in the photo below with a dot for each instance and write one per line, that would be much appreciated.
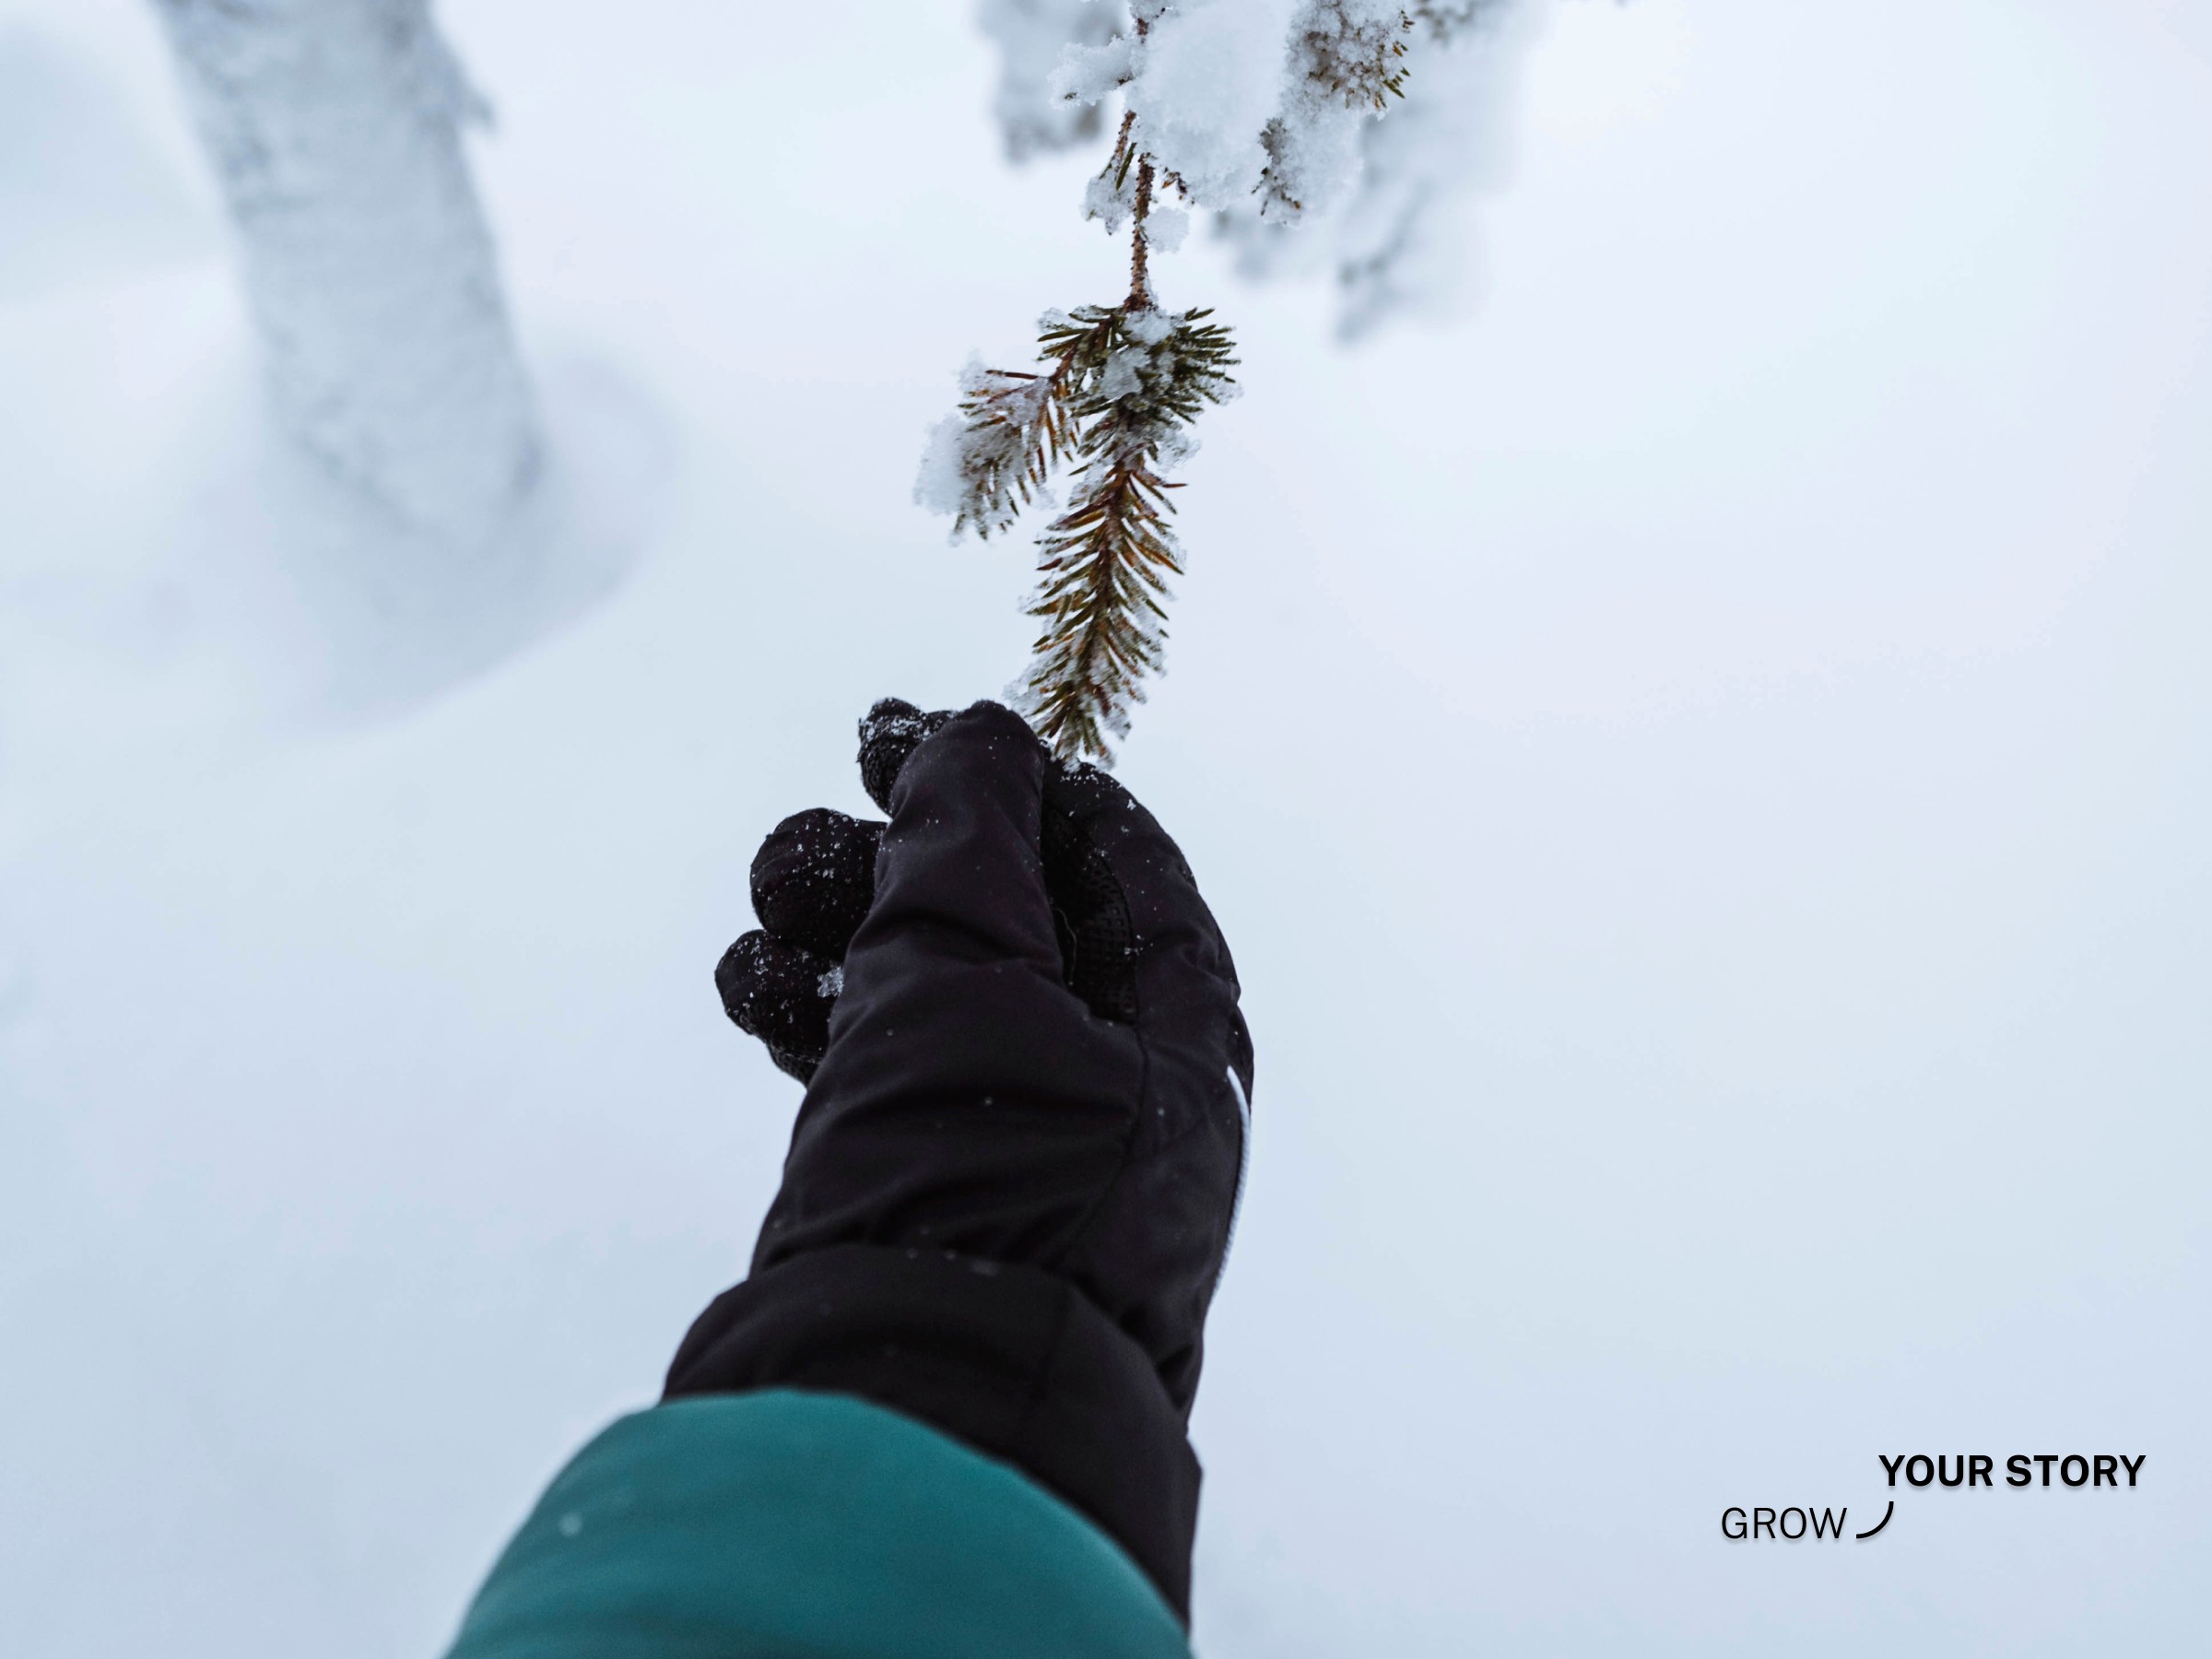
(1349, 136)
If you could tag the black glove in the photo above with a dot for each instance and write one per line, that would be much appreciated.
(1012, 1181)
(814, 879)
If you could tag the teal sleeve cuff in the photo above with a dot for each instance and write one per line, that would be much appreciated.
(789, 1525)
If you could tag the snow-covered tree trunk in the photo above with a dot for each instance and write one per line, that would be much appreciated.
(334, 126)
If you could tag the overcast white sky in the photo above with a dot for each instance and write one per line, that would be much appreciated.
(1702, 759)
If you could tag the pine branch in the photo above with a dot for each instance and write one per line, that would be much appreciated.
(1121, 386)
(1347, 59)
(988, 462)
(1354, 52)
(1105, 563)
(1106, 560)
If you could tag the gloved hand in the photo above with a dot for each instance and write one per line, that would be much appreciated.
(814, 878)
(1025, 1060)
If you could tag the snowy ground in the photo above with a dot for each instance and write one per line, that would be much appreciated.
(1704, 763)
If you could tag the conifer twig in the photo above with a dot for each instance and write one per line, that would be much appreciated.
(1105, 561)
(1140, 265)
(1121, 386)
(1016, 432)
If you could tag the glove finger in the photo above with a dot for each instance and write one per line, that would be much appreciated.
(889, 732)
(815, 877)
(962, 877)
(783, 994)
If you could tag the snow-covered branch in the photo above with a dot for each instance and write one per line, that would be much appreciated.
(1339, 130)
(1349, 136)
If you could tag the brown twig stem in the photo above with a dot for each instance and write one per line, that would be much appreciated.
(1140, 270)
(1140, 273)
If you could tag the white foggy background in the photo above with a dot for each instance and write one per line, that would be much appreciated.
(1703, 759)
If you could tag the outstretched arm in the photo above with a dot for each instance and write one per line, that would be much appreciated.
(945, 1412)
(1011, 1185)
